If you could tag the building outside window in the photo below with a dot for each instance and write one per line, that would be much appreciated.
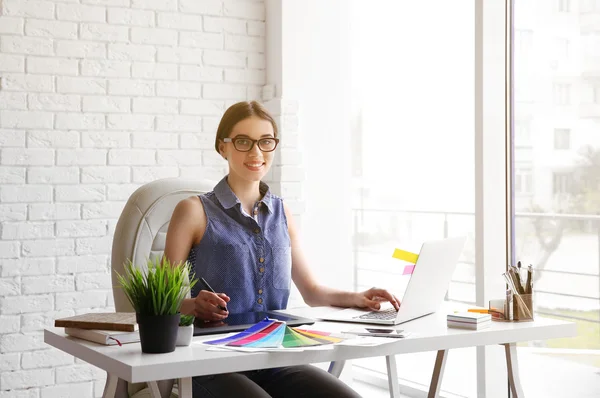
(561, 49)
(561, 93)
(562, 182)
(590, 5)
(523, 181)
(559, 219)
(522, 133)
(563, 5)
(562, 139)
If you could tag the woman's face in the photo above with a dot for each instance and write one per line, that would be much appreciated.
(254, 164)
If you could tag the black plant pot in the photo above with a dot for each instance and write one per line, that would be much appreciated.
(158, 333)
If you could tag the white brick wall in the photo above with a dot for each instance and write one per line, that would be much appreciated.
(96, 98)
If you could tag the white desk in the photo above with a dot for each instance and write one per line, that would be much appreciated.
(428, 334)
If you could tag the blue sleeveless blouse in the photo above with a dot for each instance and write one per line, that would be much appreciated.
(247, 257)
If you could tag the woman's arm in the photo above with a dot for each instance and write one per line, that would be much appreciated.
(315, 294)
(186, 228)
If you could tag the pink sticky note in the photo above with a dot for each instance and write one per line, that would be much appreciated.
(408, 269)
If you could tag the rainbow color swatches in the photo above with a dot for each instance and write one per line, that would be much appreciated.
(271, 333)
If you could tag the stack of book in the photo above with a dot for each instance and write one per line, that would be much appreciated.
(469, 320)
(114, 328)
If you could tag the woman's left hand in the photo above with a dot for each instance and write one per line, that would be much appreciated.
(373, 297)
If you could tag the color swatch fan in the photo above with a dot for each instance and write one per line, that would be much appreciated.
(272, 333)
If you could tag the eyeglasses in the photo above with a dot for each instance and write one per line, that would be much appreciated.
(245, 144)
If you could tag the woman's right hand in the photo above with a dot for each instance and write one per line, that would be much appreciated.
(206, 306)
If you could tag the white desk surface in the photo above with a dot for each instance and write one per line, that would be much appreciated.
(429, 333)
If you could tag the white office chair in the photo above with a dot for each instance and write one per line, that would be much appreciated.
(141, 234)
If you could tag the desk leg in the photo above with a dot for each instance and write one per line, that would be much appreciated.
(185, 387)
(162, 388)
(110, 388)
(336, 367)
(392, 373)
(438, 373)
(154, 391)
(512, 365)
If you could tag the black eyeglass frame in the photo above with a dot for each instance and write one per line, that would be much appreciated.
(232, 140)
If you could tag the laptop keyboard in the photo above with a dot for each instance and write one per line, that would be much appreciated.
(383, 315)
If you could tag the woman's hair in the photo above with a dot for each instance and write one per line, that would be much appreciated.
(238, 112)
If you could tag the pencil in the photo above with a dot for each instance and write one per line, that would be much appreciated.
(207, 286)
(478, 310)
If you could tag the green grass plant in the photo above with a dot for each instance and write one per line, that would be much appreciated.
(158, 290)
(186, 320)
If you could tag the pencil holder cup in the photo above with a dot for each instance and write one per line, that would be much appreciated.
(497, 309)
(522, 307)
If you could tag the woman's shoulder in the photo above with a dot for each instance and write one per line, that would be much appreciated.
(189, 207)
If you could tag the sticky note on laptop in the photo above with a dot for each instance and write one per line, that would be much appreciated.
(408, 270)
(405, 256)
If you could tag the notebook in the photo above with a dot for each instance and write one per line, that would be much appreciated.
(469, 320)
(118, 321)
(425, 291)
(106, 337)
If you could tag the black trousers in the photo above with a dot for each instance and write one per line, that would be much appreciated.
(289, 382)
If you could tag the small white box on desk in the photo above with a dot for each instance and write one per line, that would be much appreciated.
(469, 320)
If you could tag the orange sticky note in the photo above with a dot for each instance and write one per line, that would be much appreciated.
(405, 256)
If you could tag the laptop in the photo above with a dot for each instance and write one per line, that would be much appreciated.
(425, 290)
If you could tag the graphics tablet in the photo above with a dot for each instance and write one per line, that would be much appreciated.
(239, 322)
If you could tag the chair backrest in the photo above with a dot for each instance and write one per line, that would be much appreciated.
(141, 231)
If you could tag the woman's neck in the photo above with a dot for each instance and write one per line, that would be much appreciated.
(248, 192)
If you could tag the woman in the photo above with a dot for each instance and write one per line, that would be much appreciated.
(242, 239)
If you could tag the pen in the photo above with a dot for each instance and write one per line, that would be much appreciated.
(528, 288)
(516, 280)
(510, 283)
(207, 286)
(508, 305)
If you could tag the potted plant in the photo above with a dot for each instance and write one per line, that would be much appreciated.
(185, 331)
(156, 294)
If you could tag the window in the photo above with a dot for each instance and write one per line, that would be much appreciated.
(590, 5)
(562, 93)
(523, 181)
(522, 133)
(412, 185)
(564, 193)
(562, 139)
(590, 45)
(563, 5)
(523, 42)
(562, 182)
(590, 92)
(561, 49)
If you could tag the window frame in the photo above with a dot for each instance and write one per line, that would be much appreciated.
(494, 169)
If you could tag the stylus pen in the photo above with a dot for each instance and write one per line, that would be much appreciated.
(207, 287)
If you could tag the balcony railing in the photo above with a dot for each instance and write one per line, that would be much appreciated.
(375, 229)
